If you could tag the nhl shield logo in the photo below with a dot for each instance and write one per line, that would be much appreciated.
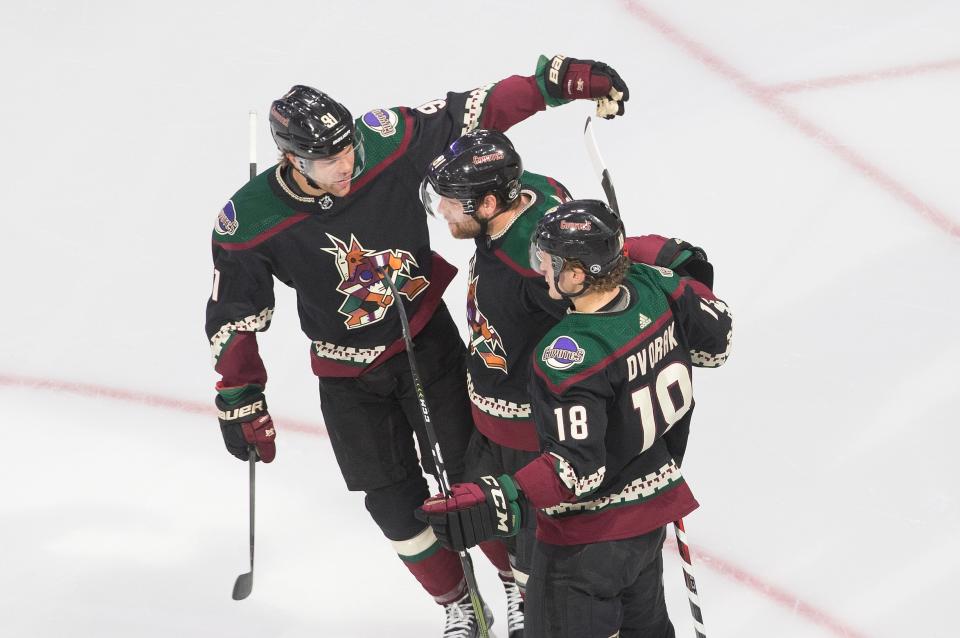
(563, 353)
(361, 280)
(326, 202)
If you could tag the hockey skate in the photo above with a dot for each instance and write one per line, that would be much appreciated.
(514, 609)
(461, 621)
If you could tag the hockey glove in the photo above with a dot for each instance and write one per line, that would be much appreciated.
(474, 512)
(247, 423)
(683, 257)
(572, 79)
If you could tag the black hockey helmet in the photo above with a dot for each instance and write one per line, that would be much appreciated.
(311, 125)
(477, 163)
(586, 230)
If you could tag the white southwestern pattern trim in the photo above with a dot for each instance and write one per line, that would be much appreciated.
(497, 407)
(474, 107)
(707, 359)
(579, 486)
(326, 350)
(253, 323)
(641, 488)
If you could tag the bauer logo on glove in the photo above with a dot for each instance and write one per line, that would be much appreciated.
(247, 425)
(572, 79)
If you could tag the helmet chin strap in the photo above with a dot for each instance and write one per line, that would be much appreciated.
(588, 279)
(484, 223)
(302, 169)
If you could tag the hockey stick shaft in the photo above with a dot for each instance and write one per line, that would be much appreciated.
(252, 133)
(442, 476)
(593, 150)
(599, 167)
(244, 583)
(693, 593)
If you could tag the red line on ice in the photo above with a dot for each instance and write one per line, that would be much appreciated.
(153, 400)
(777, 595)
(952, 64)
(768, 100)
(701, 557)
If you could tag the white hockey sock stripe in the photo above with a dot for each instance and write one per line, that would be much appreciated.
(416, 545)
(520, 578)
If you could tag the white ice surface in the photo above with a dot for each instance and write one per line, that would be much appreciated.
(823, 454)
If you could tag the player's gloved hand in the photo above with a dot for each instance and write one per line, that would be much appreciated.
(247, 423)
(474, 512)
(573, 79)
(683, 257)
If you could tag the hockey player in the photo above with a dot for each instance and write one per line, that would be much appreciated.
(336, 215)
(478, 186)
(609, 383)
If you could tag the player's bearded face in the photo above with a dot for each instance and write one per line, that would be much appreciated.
(461, 225)
(333, 174)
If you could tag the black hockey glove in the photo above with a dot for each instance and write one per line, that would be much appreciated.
(572, 79)
(474, 512)
(247, 424)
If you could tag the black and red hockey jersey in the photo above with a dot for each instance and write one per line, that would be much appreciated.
(508, 311)
(606, 387)
(332, 250)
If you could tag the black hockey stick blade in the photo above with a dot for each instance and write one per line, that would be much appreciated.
(602, 173)
(243, 586)
(244, 583)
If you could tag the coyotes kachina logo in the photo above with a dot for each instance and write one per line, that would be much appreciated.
(361, 280)
(485, 342)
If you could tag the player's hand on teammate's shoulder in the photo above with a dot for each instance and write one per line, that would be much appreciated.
(676, 254)
(574, 79)
(245, 424)
(474, 512)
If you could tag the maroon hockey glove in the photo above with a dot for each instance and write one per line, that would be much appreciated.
(573, 79)
(246, 424)
(474, 512)
(675, 254)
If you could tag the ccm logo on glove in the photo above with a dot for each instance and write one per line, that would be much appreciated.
(499, 503)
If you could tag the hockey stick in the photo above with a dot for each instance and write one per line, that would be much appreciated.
(692, 593)
(244, 583)
(688, 578)
(442, 477)
(602, 173)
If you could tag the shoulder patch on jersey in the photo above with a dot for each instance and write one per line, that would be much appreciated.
(381, 121)
(227, 223)
(563, 353)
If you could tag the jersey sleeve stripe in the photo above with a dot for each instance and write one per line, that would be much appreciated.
(264, 236)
